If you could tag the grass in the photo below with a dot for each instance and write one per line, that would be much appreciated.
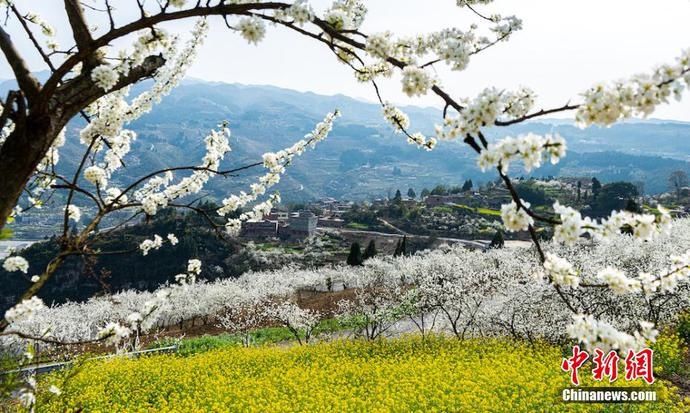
(357, 225)
(487, 211)
(6, 233)
(407, 374)
(479, 210)
(263, 336)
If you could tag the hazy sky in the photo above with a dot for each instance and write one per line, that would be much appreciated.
(564, 47)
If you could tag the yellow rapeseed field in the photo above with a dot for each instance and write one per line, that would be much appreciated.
(402, 375)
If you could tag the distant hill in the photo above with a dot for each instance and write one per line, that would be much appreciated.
(363, 158)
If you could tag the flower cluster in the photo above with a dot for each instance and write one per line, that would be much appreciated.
(275, 163)
(463, 3)
(602, 335)
(452, 46)
(531, 149)
(73, 212)
(642, 226)
(572, 224)
(193, 271)
(148, 244)
(379, 45)
(370, 72)
(96, 176)
(115, 197)
(605, 104)
(421, 141)
(416, 81)
(299, 13)
(46, 28)
(491, 105)
(396, 117)
(178, 3)
(155, 243)
(16, 263)
(618, 282)
(105, 77)
(25, 310)
(345, 14)
(159, 190)
(114, 333)
(516, 218)
(679, 271)
(252, 29)
(560, 271)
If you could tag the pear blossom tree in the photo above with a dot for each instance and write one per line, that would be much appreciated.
(91, 80)
(379, 298)
(299, 321)
(243, 315)
(497, 292)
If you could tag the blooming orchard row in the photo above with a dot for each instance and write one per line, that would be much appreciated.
(466, 292)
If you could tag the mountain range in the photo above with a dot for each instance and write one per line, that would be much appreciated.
(363, 158)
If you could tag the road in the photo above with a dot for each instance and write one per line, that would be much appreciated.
(477, 244)
(468, 243)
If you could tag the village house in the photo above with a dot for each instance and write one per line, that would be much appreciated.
(259, 229)
(301, 225)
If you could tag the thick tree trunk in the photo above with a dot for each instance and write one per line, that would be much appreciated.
(27, 145)
(19, 157)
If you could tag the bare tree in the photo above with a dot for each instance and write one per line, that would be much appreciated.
(677, 181)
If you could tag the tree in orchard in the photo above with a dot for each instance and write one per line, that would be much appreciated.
(370, 251)
(355, 257)
(677, 181)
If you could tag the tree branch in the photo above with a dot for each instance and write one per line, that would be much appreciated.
(26, 81)
(80, 30)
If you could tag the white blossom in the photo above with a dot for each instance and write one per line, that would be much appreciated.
(379, 44)
(396, 117)
(416, 81)
(96, 176)
(618, 282)
(194, 267)
(561, 272)
(275, 163)
(178, 3)
(73, 212)
(24, 310)
(105, 77)
(605, 104)
(252, 29)
(529, 148)
(173, 239)
(514, 218)
(16, 263)
(151, 244)
(602, 335)
(114, 333)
